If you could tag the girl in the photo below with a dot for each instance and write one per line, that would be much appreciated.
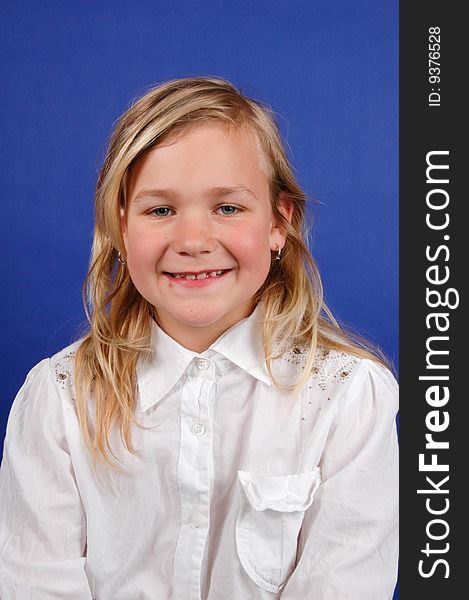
(216, 434)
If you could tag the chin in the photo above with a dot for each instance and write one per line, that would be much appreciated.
(201, 321)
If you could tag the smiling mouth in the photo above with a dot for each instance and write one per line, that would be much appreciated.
(200, 275)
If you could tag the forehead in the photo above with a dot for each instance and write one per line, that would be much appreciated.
(212, 153)
(243, 131)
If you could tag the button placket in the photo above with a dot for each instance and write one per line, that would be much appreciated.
(194, 476)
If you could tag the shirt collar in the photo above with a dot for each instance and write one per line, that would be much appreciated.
(242, 344)
(159, 371)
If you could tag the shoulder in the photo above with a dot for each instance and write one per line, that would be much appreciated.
(47, 381)
(38, 404)
(339, 375)
(40, 411)
(373, 374)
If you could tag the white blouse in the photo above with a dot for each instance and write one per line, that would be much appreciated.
(240, 491)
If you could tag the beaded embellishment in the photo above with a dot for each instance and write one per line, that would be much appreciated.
(63, 369)
(330, 366)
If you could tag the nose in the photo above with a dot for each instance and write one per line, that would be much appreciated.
(194, 235)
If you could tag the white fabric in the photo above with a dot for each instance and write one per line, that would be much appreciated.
(240, 491)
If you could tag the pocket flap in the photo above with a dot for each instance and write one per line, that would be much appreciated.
(287, 493)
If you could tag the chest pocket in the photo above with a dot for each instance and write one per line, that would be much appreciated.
(269, 522)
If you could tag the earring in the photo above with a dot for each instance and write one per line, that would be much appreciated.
(279, 254)
(119, 258)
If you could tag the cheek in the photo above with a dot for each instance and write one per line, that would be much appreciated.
(143, 253)
(142, 243)
(251, 245)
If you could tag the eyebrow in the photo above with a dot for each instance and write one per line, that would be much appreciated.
(168, 194)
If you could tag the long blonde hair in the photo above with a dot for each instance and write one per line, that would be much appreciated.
(120, 318)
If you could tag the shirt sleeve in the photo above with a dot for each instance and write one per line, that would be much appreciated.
(42, 523)
(348, 545)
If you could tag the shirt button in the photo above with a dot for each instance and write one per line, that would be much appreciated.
(202, 363)
(198, 429)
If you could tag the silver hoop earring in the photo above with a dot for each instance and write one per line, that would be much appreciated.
(279, 254)
(119, 258)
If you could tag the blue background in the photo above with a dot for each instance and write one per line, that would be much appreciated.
(69, 70)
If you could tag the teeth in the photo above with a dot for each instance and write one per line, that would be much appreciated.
(199, 276)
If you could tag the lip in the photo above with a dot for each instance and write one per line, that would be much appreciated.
(196, 283)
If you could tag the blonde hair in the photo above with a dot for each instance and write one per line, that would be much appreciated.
(120, 318)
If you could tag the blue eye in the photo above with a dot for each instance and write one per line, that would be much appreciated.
(228, 209)
(161, 211)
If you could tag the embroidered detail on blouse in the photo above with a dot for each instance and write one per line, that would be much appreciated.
(63, 369)
(330, 366)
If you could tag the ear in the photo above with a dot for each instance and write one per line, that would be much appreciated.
(277, 232)
(285, 206)
(123, 224)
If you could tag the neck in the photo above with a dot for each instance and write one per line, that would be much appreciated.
(199, 338)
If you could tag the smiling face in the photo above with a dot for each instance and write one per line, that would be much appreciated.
(199, 231)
